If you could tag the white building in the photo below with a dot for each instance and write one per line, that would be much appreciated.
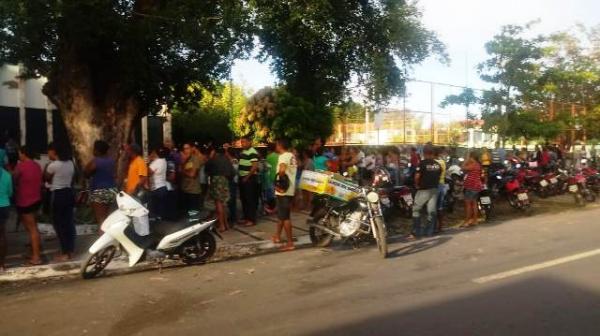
(26, 115)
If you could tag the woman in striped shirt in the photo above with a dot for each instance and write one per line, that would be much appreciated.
(472, 187)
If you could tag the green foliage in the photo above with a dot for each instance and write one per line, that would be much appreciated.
(276, 113)
(209, 118)
(147, 49)
(529, 73)
(466, 98)
(318, 47)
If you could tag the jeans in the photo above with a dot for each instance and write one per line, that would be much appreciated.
(425, 197)
(63, 203)
(3, 218)
(158, 199)
(442, 190)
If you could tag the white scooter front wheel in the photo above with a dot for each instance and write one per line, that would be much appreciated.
(97, 262)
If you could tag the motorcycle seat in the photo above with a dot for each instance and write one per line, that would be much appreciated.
(163, 228)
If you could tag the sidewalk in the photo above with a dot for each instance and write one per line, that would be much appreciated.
(237, 242)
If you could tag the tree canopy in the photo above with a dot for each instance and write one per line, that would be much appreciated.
(531, 74)
(271, 114)
(318, 48)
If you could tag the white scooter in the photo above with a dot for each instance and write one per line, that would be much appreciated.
(192, 241)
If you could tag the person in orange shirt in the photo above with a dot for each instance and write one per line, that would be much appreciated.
(137, 173)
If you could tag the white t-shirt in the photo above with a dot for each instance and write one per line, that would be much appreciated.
(159, 176)
(62, 174)
(290, 160)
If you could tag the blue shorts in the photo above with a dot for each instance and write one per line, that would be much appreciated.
(471, 195)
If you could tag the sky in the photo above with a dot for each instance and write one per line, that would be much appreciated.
(464, 26)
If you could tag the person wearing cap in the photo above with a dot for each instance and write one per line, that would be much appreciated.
(137, 173)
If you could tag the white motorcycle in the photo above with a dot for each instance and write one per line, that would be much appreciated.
(192, 241)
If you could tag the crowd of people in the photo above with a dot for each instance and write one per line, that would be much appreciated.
(267, 180)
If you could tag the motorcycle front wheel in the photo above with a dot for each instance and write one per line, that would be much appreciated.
(317, 236)
(579, 199)
(199, 249)
(381, 234)
(97, 262)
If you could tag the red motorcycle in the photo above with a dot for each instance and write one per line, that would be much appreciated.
(402, 199)
(516, 193)
(577, 186)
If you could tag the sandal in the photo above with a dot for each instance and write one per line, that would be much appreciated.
(287, 248)
(275, 240)
(30, 263)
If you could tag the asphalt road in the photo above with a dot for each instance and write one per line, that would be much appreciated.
(530, 276)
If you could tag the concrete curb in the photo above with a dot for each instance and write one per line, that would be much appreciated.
(119, 265)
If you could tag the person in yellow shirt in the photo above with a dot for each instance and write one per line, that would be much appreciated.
(137, 173)
(486, 162)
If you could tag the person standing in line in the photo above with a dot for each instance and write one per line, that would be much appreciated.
(173, 158)
(233, 185)
(498, 157)
(6, 191)
(285, 187)
(190, 183)
(427, 180)
(219, 171)
(101, 170)
(28, 179)
(248, 181)
(472, 187)
(137, 172)
(442, 188)
(202, 152)
(271, 162)
(158, 182)
(59, 173)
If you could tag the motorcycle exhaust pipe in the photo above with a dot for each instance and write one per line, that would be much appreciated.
(321, 227)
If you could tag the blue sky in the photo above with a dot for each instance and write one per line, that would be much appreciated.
(464, 26)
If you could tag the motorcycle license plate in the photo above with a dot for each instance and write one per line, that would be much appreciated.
(573, 188)
(522, 197)
(485, 200)
(544, 183)
(408, 199)
(554, 180)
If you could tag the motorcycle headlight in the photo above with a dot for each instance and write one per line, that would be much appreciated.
(373, 197)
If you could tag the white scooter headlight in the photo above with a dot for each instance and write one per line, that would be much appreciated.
(373, 197)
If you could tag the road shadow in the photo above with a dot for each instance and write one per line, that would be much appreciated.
(536, 306)
(416, 246)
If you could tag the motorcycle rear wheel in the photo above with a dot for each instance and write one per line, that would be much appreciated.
(198, 249)
(381, 236)
(97, 262)
(317, 236)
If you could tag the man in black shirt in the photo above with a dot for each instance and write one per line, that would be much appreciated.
(427, 177)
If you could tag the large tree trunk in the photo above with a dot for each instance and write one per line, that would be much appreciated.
(90, 116)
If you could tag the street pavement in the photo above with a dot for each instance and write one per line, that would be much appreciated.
(533, 275)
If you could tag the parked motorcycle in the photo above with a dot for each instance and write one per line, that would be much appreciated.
(356, 220)
(484, 204)
(192, 241)
(579, 189)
